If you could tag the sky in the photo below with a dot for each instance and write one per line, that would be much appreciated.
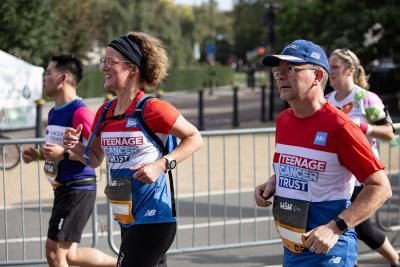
(222, 4)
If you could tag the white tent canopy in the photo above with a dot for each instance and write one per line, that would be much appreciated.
(20, 85)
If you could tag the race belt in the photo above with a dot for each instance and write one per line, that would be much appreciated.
(51, 170)
(291, 220)
(119, 193)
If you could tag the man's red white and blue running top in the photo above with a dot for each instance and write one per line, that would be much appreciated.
(313, 168)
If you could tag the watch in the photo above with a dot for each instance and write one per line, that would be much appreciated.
(66, 154)
(171, 162)
(341, 224)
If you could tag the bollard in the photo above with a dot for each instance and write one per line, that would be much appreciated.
(263, 89)
(211, 80)
(235, 119)
(210, 87)
(39, 108)
(159, 93)
(200, 110)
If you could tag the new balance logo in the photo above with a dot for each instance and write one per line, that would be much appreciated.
(335, 260)
(150, 213)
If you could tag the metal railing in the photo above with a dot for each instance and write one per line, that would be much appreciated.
(388, 216)
(214, 199)
(25, 204)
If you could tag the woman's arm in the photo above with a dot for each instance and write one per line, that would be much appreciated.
(383, 132)
(190, 137)
(191, 141)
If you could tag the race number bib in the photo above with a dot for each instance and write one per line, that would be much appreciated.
(291, 220)
(119, 193)
(51, 170)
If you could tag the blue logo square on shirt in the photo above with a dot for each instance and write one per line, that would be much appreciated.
(131, 122)
(320, 138)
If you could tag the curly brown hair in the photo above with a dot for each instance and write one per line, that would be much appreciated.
(155, 58)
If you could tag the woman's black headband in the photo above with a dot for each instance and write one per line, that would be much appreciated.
(128, 49)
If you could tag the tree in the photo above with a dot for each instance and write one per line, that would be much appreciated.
(28, 30)
(36, 29)
(215, 27)
(79, 25)
(249, 25)
(161, 19)
(367, 27)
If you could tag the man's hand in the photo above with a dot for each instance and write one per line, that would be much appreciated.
(322, 238)
(29, 155)
(265, 191)
(53, 152)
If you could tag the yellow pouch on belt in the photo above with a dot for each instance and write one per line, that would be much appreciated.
(51, 170)
(119, 193)
(291, 221)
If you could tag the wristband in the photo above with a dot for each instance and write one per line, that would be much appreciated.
(66, 154)
(38, 153)
(341, 225)
(366, 128)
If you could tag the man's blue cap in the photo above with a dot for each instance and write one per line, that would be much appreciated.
(300, 51)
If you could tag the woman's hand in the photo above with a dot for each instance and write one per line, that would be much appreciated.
(148, 173)
(72, 137)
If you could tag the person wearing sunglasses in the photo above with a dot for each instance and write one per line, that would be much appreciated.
(350, 83)
(137, 189)
(317, 151)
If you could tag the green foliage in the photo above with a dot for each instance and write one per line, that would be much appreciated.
(178, 79)
(343, 23)
(27, 30)
(249, 26)
(79, 25)
(37, 29)
(171, 34)
(197, 77)
(92, 83)
(158, 18)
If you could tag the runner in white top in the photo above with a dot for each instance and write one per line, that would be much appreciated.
(365, 108)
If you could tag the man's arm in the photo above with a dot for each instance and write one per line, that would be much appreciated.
(375, 192)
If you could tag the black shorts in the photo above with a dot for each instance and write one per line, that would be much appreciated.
(70, 213)
(145, 245)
